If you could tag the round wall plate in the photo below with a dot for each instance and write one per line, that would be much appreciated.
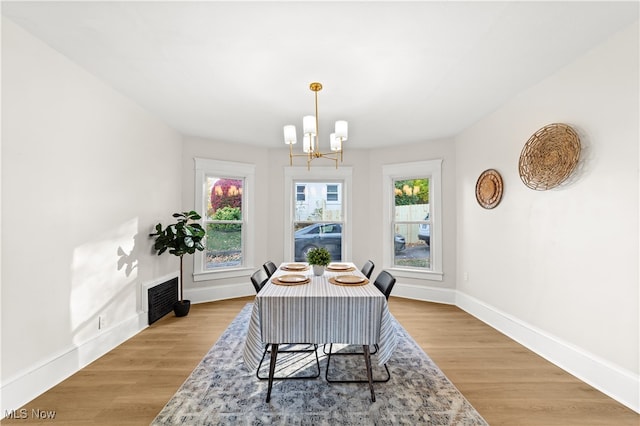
(549, 156)
(489, 189)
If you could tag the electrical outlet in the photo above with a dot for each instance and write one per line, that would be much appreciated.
(102, 323)
(466, 276)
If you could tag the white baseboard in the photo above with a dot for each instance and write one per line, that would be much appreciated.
(219, 292)
(27, 385)
(427, 294)
(616, 382)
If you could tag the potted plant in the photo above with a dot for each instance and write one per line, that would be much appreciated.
(180, 238)
(318, 258)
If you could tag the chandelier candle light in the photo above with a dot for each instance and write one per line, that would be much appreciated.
(310, 145)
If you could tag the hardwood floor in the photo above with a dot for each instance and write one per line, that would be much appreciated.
(506, 383)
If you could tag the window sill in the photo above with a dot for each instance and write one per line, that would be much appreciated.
(412, 273)
(223, 274)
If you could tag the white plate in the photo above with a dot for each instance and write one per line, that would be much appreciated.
(296, 266)
(349, 279)
(292, 278)
(339, 266)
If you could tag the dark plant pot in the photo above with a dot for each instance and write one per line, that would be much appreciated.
(181, 309)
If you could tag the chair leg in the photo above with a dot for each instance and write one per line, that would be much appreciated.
(367, 361)
(326, 374)
(272, 367)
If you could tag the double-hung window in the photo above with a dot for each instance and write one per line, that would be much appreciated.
(318, 214)
(223, 196)
(413, 236)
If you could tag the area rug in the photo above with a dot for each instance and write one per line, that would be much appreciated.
(222, 391)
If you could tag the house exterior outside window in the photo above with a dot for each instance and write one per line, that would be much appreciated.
(301, 193)
(412, 206)
(318, 220)
(322, 217)
(333, 193)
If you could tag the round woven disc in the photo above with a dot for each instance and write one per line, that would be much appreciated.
(549, 156)
(489, 189)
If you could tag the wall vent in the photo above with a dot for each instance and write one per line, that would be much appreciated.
(161, 299)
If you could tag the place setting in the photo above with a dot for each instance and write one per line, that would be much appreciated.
(292, 279)
(348, 280)
(295, 267)
(340, 267)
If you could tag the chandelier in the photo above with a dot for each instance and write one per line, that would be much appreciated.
(310, 144)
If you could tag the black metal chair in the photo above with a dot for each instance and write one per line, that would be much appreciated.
(367, 268)
(383, 282)
(259, 278)
(269, 267)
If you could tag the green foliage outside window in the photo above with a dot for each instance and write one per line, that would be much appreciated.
(411, 191)
(227, 213)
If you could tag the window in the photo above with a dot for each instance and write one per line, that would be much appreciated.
(318, 222)
(332, 193)
(222, 198)
(321, 217)
(413, 238)
(301, 193)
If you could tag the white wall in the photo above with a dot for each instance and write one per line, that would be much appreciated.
(562, 263)
(86, 173)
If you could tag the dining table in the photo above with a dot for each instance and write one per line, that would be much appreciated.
(340, 306)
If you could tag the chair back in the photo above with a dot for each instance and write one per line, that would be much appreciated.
(367, 269)
(269, 267)
(385, 282)
(259, 279)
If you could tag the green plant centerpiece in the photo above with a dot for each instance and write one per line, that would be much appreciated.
(180, 238)
(318, 258)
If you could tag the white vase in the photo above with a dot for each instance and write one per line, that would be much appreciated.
(318, 270)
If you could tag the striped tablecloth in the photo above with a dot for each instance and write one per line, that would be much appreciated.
(319, 312)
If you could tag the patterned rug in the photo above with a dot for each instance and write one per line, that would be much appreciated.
(221, 391)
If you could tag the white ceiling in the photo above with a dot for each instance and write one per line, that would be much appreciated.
(399, 72)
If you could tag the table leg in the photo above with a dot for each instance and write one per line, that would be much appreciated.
(272, 368)
(367, 361)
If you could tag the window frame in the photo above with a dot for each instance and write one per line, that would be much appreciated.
(227, 169)
(431, 169)
(293, 174)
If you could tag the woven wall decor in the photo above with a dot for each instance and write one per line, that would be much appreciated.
(489, 189)
(549, 156)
